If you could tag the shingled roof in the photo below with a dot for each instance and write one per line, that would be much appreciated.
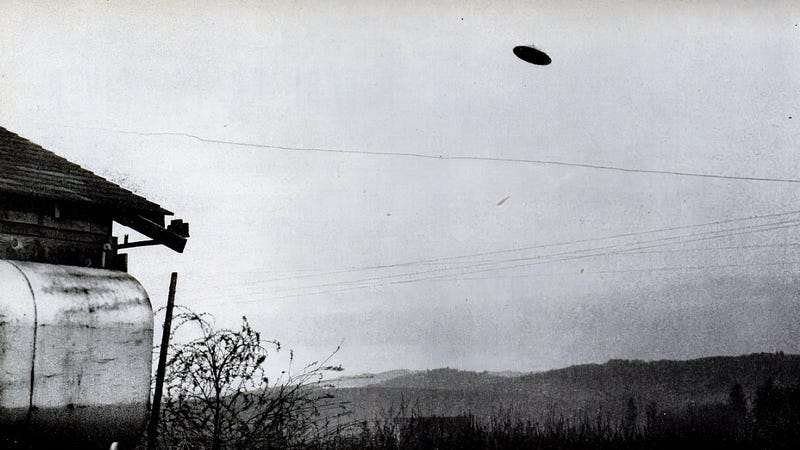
(27, 169)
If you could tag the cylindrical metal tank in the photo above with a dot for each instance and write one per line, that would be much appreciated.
(75, 352)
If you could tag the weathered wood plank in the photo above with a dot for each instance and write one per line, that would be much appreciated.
(154, 231)
(26, 229)
(97, 226)
(52, 251)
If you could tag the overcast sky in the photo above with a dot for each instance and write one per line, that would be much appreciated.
(412, 262)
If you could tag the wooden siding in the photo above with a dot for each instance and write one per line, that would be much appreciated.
(50, 233)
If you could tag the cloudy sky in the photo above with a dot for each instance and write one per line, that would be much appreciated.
(302, 141)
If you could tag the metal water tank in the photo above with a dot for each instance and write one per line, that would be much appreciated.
(75, 352)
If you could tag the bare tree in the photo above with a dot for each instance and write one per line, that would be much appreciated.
(217, 394)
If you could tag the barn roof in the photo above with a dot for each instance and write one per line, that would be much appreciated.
(27, 169)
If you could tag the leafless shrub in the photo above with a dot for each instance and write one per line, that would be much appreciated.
(217, 393)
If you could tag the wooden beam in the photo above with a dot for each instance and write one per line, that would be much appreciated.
(154, 231)
(166, 331)
(125, 245)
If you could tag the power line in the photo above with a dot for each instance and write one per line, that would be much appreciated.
(554, 257)
(532, 247)
(712, 249)
(753, 228)
(693, 249)
(617, 252)
(654, 269)
(446, 158)
(369, 282)
(650, 269)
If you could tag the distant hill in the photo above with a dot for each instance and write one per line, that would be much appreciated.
(589, 389)
(368, 379)
(444, 379)
(437, 378)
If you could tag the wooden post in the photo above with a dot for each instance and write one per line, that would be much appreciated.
(155, 413)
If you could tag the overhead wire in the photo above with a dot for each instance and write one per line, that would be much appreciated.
(559, 254)
(539, 259)
(519, 249)
(557, 257)
(515, 266)
(646, 269)
(450, 158)
(605, 167)
(655, 269)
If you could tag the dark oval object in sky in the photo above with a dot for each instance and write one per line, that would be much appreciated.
(532, 55)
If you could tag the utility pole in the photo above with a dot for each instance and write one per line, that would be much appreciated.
(155, 413)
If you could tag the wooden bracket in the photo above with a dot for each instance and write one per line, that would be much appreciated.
(138, 244)
(158, 234)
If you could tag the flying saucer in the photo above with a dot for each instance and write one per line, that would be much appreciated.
(533, 55)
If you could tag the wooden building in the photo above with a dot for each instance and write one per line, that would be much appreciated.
(76, 342)
(54, 211)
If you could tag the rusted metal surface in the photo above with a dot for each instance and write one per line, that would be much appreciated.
(75, 350)
(17, 324)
